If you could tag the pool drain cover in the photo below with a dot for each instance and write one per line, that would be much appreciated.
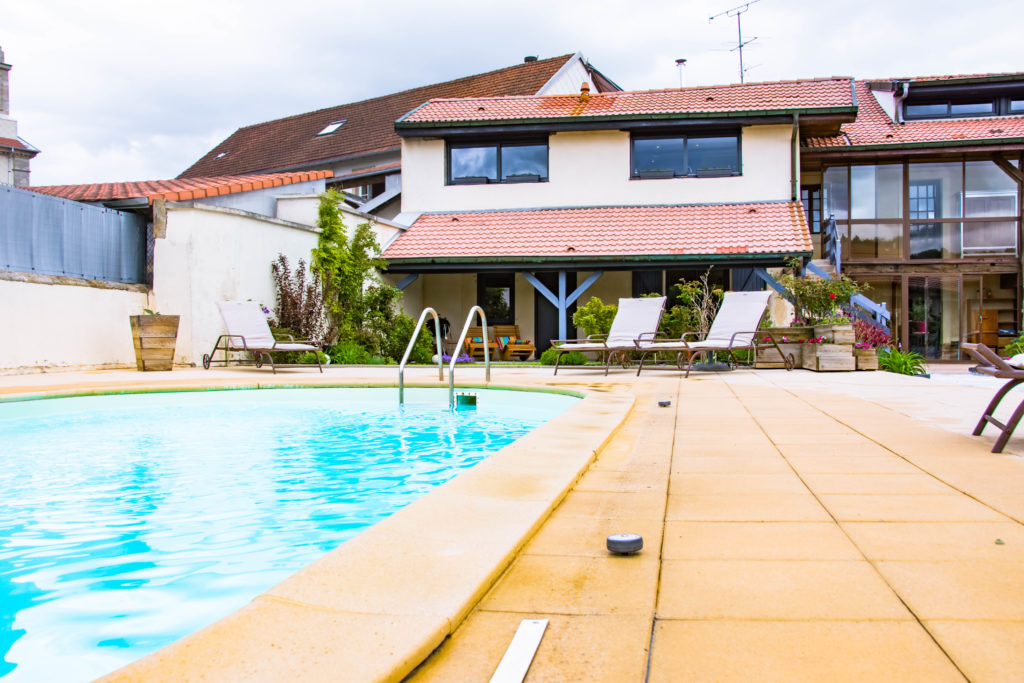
(625, 544)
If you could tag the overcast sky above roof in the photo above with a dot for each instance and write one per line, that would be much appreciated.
(135, 90)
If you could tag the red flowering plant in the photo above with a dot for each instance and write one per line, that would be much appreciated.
(821, 301)
(869, 336)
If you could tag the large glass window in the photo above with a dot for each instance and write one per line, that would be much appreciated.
(836, 192)
(515, 162)
(935, 240)
(876, 191)
(495, 293)
(988, 191)
(680, 156)
(871, 241)
(935, 190)
(987, 238)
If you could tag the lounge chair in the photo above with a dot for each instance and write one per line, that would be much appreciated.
(734, 328)
(474, 344)
(247, 330)
(511, 345)
(634, 318)
(990, 363)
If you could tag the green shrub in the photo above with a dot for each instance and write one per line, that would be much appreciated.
(395, 339)
(348, 352)
(900, 362)
(1015, 347)
(570, 358)
(594, 317)
(310, 358)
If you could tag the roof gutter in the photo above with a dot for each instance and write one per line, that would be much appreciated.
(466, 263)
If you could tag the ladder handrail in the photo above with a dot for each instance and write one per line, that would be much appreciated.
(458, 350)
(408, 350)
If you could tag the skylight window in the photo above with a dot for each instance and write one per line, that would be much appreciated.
(222, 155)
(332, 126)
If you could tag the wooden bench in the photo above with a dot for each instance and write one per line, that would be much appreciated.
(475, 348)
(515, 348)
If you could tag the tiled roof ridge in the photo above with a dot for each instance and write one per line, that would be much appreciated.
(588, 207)
(944, 77)
(621, 93)
(179, 189)
(408, 90)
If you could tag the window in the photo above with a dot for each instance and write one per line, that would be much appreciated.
(701, 156)
(961, 107)
(811, 197)
(1017, 106)
(332, 126)
(496, 294)
(499, 162)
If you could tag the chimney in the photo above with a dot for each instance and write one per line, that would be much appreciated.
(584, 93)
(5, 90)
(529, 58)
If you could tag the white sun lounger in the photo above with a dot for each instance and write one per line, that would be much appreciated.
(247, 330)
(735, 327)
(634, 318)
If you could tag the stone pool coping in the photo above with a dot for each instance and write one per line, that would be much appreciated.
(379, 604)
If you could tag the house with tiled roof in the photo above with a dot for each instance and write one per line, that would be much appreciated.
(524, 204)
(357, 141)
(925, 189)
(15, 153)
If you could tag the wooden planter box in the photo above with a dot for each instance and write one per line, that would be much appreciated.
(867, 359)
(769, 357)
(837, 334)
(829, 357)
(154, 337)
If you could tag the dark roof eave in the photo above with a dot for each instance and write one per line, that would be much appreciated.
(470, 263)
(937, 144)
(406, 127)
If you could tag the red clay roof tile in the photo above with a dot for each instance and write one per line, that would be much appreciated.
(874, 127)
(178, 189)
(719, 99)
(11, 142)
(369, 124)
(665, 230)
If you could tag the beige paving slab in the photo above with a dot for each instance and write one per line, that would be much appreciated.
(823, 448)
(960, 589)
(787, 651)
(984, 650)
(875, 484)
(770, 589)
(576, 585)
(756, 541)
(613, 505)
(650, 481)
(570, 535)
(939, 541)
(752, 507)
(271, 640)
(947, 507)
(739, 464)
(850, 464)
(736, 484)
(609, 648)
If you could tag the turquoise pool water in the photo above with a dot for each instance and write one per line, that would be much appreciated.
(129, 521)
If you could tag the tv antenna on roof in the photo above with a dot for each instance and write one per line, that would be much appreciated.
(740, 44)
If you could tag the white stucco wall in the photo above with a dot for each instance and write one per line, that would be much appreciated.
(592, 169)
(55, 326)
(568, 79)
(264, 201)
(213, 254)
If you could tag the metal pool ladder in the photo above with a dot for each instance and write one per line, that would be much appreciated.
(458, 349)
(408, 350)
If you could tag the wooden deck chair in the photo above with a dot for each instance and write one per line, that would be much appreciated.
(990, 363)
(734, 328)
(511, 345)
(247, 330)
(634, 318)
(474, 344)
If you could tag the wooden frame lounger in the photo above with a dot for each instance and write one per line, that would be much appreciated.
(990, 363)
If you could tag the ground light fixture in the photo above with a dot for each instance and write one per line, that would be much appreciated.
(625, 544)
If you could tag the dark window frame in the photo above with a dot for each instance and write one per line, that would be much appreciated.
(497, 281)
(498, 145)
(1001, 106)
(812, 199)
(686, 137)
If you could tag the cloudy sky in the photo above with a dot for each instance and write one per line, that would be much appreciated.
(116, 90)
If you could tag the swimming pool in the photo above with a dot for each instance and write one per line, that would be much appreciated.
(129, 521)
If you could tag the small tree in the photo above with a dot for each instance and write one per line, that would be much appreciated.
(595, 316)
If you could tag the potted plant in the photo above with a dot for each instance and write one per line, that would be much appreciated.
(821, 354)
(154, 337)
(869, 339)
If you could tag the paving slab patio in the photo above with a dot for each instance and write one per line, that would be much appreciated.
(797, 526)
